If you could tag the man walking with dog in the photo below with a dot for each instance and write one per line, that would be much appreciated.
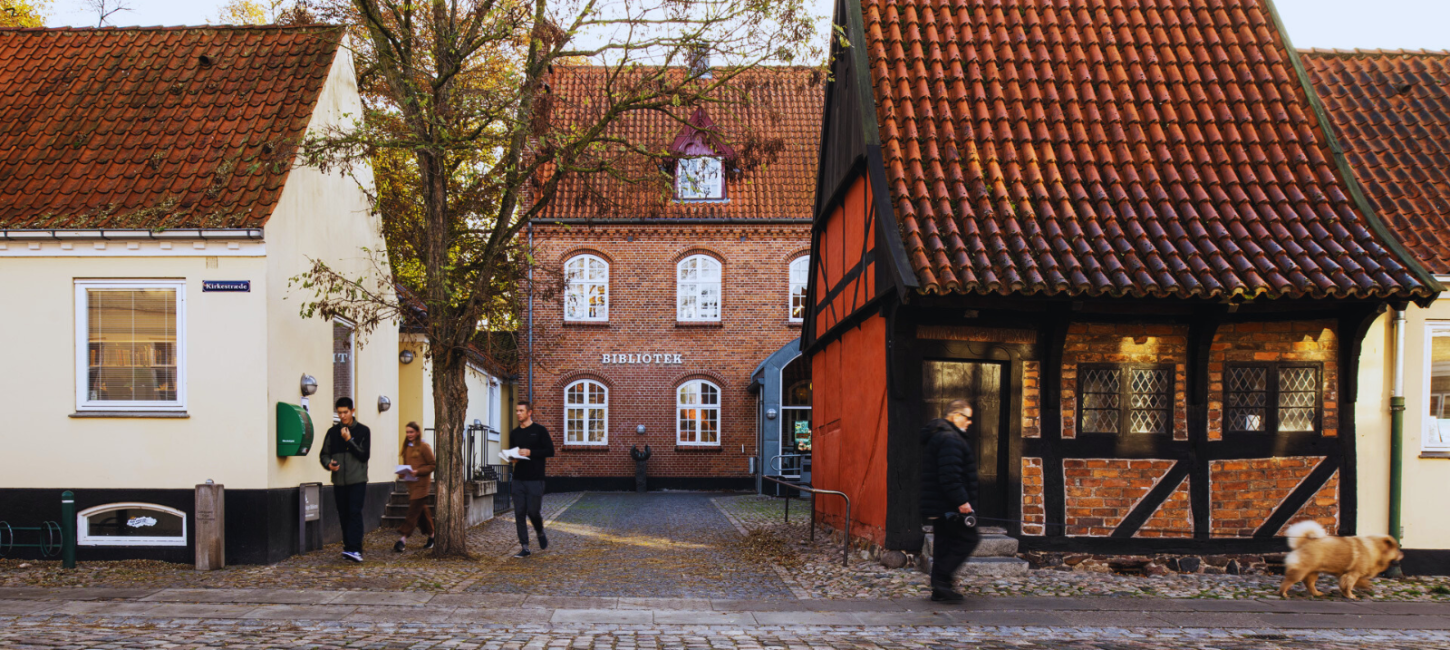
(948, 490)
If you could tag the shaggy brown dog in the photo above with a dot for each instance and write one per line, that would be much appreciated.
(1354, 559)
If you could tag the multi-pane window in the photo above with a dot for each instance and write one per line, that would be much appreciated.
(697, 410)
(130, 340)
(586, 413)
(343, 340)
(586, 295)
(700, 178)
(1126, 399)
(800, 272)
(697, 289)
(1265, 397)
(1437, 388)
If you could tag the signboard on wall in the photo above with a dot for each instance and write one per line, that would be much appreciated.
(243, 286)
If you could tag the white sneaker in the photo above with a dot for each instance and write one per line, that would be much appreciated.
(355, 557)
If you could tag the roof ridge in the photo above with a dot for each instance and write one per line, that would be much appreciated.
(143, 28)
(1348, 52)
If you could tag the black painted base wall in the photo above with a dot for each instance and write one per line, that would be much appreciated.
(1426, 562)
(654, 483)
(261, 525)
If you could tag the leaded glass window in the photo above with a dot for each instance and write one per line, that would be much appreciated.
(1268, 397)
(1126, 399)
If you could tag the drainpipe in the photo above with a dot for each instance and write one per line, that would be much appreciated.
(531, 312)
(1397, 425)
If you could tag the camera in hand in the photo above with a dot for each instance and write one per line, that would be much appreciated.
(968, 520)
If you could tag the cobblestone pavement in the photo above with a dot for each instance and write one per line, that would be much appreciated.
(815, 569)
(657, 545)
(257, 635)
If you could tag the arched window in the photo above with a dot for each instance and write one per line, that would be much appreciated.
(586, 413)
(697, 411)
(131, 524)
(800, 272)
(586, 298)
(697, 289)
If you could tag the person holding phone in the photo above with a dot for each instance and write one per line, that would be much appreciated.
(948, 490)
(417, 455)
(345, 452)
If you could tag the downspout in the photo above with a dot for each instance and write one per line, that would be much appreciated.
(531, 313)
(1397, 425)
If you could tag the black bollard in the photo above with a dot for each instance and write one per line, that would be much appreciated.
(640, 458)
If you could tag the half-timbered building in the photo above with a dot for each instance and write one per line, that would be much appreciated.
(1123, 230)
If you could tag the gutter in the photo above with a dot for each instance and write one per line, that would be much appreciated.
(531, 313)
(31, 234)
(644, 221)
(1397, 427)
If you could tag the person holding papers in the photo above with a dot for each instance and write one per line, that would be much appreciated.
(416, 469)
(531, 442)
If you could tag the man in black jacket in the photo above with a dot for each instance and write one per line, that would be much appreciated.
(535, 444)
(948, 490)
(345, 451)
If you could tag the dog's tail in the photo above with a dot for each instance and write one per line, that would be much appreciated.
(1304, 531)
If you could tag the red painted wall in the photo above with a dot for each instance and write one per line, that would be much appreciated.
(846, 236)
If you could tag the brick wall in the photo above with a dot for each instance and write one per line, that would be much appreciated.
(1100, 492)
(1125, 343)
(1031, 399)
(1034, 510)
(1174, 518)
(1245, 492)
(1274, 342)
(754, 324)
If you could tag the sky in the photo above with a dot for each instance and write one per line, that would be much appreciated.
(1388, 24)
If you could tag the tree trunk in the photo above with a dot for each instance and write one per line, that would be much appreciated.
(450, 403)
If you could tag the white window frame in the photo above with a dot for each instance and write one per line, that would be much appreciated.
(684, 166)
(584, 440)
(570, 284)
(804, 262)
(700, 410)
(493, 409)
(1433, 329)
(83, 532)
(695, 287)
(83, 343)
(351, 376)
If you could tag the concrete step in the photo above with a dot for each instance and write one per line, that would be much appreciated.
(994, 566)
(996, 546)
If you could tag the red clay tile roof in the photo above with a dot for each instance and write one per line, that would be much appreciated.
(1391, 113)
(1114, 147)
(784, 111)
(133, 128)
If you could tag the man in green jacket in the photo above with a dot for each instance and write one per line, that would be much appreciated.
(345, 451)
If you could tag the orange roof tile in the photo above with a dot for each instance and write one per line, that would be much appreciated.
(1391, 113)
(153, 127)
(776, 135)
(1114, 147)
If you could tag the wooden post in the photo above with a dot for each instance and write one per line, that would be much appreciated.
(210, 527)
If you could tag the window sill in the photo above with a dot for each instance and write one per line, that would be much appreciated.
(697, 449)
(701, 324)
(586, 323)
(1435, 454)
(586, 448)
(795, 324)
(162, 415)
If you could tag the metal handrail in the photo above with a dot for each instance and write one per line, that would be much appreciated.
(846, 534)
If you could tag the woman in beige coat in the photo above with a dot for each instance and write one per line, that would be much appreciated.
(418, 455)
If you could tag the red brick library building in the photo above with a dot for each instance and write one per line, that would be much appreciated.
(681, 310)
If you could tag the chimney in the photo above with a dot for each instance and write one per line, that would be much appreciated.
(700, 59)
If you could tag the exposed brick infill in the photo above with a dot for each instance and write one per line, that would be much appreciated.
(1174, 518)
(1034, 513)
(1100, 492)
(1274, 342)
(1245, 492)
(642, 321)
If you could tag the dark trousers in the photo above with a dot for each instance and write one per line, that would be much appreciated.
(953, 544)
(349, 499)
(418, 517)
(528, 498)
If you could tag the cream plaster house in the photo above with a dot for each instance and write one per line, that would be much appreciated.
(151, 223)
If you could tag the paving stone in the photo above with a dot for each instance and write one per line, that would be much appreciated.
(602, 616)
(198, 610)
(26, 607)
(1212, 619)
(478, 600)
(664, 603)
(1352, 622)
(106, 607)
(385, 614)
(569, 602)
(807, 618)
(500, 616)
(1434, 609)
(676, 617)
(302, 612)
(383, 598)
(1006, 618)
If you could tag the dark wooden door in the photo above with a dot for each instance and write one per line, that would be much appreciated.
(980, 383)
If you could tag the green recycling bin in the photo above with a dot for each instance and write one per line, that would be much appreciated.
(294, 430)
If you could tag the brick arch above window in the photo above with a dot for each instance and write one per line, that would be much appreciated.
(698, 249)
(564, 380)
(707, 375)
(796, 254)
(585, 250)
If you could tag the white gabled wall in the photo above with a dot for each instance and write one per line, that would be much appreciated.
(326, 217)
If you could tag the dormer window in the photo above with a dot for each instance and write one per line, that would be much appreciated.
(701, 178)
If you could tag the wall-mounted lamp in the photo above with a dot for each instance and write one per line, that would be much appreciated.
(477, 423)
(309, 384)
(770, 414)
(405, 357)
(384, 403)
(639, 429)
